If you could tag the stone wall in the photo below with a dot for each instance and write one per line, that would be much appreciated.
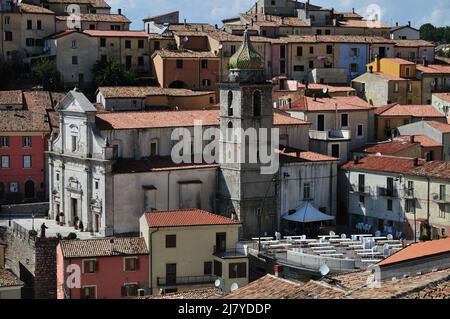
(45, 268)
(21, 210)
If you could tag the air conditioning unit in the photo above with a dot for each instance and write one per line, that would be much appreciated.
(141, 292)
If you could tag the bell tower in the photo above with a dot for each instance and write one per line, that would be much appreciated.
(246, 107)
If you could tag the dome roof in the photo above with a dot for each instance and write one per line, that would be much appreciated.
(246, 58)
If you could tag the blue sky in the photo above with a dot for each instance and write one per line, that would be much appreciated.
(213, 11)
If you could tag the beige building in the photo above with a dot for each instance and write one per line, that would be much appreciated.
(90, 21)
(191, 249)
(86, 6)
(427, 198)
(23, 30)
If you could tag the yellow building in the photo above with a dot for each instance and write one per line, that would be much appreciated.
(191, 249)
(393, 66)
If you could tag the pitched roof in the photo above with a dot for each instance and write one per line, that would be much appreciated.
(403, 27)
(443, 96)
(388, 164)
(265, 20)
(136, 120)
(434, 169)
(420, 111)
(433, 69)
(102, 247)
(399, 61)
(442, 127)
(417, 251)
(186, 217)
(33, 9)
(165, 54)
(291, 155)
(413, 43)
(144, 91)
(94, 3)
(11, 97)
(156, 164)
(204, 293)
(331, 88)
(122, 34)
(388, 148)
(423, 140)
(91, 17)
(363, 24)
(8, 279)
(334, 39)
(342, 103)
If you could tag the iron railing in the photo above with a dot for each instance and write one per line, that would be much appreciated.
(186, 280)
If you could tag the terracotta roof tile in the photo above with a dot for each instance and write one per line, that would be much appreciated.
(11, 97)
(443, 96)
(123, 34)
(433, 69)
(413, 43)
(102, 247)
(434, 169)
(424, 141)
(265, 20)
(87, 17)
(142, 92)
(331, 88)
(442, 127)
(420, 111)
(388, 148)
(342, 103)
(399, 61)
(8, 279)
(135, 120)
(94, 3)
(290, 155)
(205, 293)
(185, 54)
(29, 8)
(418, 250)
(389, 164)
(363, 24)
(186, 217)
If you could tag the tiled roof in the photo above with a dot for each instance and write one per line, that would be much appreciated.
(443, 96)
(123, 34)
(439, 290)
(11, 97)
(136, 120)
(29, 8)
(418, 250)
(389, 164)
(156, 164)
(433, 69)
(185, 54)
(342, 103)
(331, 88)
(400, 61)
(202, 27)
(419, 111)
(442, 127)
(144, 91)
(227, 37)
(334, 39)
(205, 293)
(388, 148)
(8, 279)
(94, 3)
(289, 155)
(424, 141)
(413, 43)
(186, 217)
(363, 24)
(265, 20)
(102, 247)
(88, 17)
(433, 169)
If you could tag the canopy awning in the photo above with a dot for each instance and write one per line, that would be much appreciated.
(308, 214)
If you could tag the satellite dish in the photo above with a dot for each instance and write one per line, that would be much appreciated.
(324, 270)
(325, 90)
(185, 39)
(234, 286)
(218, 283)
(220, 46)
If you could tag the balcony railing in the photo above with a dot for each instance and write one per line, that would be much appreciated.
(409, 193)
(185, 281)
(356, 188)
(441, 199)
(332, 135)
(229, 253)
(387, 192)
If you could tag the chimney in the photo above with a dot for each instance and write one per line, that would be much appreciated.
(412, 139)
(396, 24)
(353, 10)
(425, 62)
(289, 103)
(184, 22)
(416, 162)
(111, 245)
(314, 97)
(409, 23)
(356, 160)
(277, 270)
(119, 11)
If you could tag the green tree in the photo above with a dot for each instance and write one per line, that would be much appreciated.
(108, 73)
(428, 32)
(46, 73)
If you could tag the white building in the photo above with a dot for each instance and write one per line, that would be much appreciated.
(405, 32)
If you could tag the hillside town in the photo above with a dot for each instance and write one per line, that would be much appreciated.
(289, 152)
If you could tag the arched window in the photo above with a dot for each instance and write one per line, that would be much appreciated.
(29, 189)
(230, 124)
(257, 103)
(230, 103)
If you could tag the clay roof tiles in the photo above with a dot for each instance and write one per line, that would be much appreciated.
(186, 217)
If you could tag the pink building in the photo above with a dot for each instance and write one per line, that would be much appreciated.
(106, 268)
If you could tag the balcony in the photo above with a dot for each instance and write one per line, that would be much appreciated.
(362, 189)
(330, 135)
(229, 253)
(441, 199)
(185, 281)
(387, 192)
